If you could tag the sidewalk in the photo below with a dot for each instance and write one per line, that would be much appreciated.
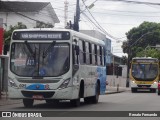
(4, 100)
(112, 90)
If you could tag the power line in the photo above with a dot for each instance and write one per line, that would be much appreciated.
(99, 26)
(131, 11)
(134, 2)
(113, 23)
(125, 14)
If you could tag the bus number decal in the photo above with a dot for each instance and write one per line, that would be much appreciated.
(22, 85)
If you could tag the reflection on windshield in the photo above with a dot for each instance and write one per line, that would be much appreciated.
(145, 71)
(55, 63)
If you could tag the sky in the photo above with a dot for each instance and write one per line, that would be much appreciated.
(117, 18)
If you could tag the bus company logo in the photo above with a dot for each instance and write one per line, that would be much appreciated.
(37, 86)
(6, 114)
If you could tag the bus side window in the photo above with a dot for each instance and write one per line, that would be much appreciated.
(95, 52)
(75, 54)
(101, 56)
(81, 51)
(84, 51)
(90, 53)
(87, 53)
(98, 55)
(93, 55)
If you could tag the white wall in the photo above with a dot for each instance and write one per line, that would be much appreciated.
(12, 18)
(124, 70)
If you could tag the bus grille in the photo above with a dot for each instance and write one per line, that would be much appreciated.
(142, 86)
(31, 93)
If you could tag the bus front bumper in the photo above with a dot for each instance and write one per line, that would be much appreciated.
(144, 86)
(64, 94)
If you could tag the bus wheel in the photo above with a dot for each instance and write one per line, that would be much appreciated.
(153, 90)
(51, 101)
(133, 90)
(28, 103)
(87, 100)
(95, 98)
(75, 102)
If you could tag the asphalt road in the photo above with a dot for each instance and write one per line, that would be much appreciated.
(126, 101)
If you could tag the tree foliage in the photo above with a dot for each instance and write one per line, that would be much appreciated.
(138, 38)
(8, 33)
(150, 52)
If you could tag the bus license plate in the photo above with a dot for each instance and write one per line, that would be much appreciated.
(39, 97)
(144, 87)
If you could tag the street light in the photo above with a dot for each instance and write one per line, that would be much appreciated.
(129, 52)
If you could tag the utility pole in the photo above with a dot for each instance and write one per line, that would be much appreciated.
(77, 17)
(65, 13)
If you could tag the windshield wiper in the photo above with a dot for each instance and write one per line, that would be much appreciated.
(29, 48)
(45, 53)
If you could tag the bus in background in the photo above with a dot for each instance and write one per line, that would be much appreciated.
(54, 65)
(144, 73)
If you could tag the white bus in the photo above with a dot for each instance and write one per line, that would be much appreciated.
(54, 65)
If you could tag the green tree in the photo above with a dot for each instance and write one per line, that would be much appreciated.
(138, 38)
(149, 52)
(8, 33)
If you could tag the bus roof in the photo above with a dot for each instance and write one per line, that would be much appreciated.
(74, 33)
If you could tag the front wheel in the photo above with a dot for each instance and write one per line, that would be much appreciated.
(133, 90)
(158, 92)
(28, 103)
(75, 102)
(153, 90)
(51, 101)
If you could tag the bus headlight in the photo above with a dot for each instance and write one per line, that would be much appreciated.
(133, 81)
(11, 83)
(64, 84)
(155, 83)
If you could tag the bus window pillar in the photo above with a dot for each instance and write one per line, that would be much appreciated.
(128, 66)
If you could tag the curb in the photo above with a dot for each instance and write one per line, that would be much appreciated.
(114, 92)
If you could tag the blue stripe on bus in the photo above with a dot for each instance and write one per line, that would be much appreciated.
(102, 77)
(36, 87)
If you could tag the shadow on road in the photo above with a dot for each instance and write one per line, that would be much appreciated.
(61, 105)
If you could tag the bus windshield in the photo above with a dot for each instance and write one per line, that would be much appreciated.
(39, 59)
(146, 72)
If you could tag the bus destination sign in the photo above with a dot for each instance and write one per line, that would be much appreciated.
(41, 35)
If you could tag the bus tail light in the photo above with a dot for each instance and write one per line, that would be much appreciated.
(64, 84)
(12, 83)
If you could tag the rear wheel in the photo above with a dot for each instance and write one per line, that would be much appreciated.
(87, 100)
(95, 98)
(28, 103)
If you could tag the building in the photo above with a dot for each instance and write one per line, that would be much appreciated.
(103, 37)
(31, 14)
